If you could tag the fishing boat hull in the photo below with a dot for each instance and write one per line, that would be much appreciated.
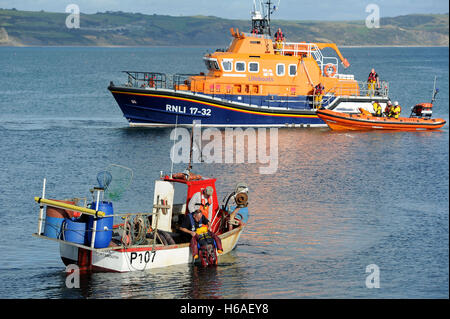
(137, 258)
(356, 122)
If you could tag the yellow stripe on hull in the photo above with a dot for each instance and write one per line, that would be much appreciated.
(219, 106)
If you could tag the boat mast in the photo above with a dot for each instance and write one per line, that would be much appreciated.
(268, 17)
(261, 19)
(435, 91)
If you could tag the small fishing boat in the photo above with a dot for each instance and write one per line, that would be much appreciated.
(89, 238)
(339, 121)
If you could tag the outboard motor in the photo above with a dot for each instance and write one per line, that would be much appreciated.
(425, 109)
(422, 110)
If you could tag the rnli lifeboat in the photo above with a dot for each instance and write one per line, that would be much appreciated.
(258, 80)
(366, 121)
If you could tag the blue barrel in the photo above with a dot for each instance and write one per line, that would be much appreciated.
(52, 227)
(73, 231)
(104, 225)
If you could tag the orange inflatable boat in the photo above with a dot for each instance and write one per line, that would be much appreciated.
(366, 121)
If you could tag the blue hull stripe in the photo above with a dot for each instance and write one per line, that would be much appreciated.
(160, 107)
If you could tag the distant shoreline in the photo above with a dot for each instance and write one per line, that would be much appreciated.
(132, 30)
(203, 46)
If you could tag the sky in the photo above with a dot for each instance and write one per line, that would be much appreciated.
(240, 9)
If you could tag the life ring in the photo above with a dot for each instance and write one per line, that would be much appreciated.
(326, 71)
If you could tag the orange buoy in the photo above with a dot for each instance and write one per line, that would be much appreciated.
(326, 70)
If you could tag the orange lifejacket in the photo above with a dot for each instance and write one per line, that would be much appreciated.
(151, 82)
(372, 77)
(279, 36)
(204, 208)
(318, 89)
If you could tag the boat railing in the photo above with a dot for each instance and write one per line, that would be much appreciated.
(367, 90)
(307, 50)
(299, 49)
(345, 91)
(188, 84)
(139, 79)
(138, 223)
(262, 36)
(185, 81)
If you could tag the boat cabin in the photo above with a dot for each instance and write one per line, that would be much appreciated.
(176, 192)
(253, 65)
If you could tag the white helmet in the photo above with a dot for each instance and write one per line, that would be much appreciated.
(373, 102)
(395, 103)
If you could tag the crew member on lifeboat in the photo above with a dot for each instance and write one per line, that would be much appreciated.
(279, 38)
(319, 90)
(396, 110)
(377, 108)
(372, 83)
(387, 109)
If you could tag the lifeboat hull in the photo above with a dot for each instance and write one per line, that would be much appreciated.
(356, 122)
(167, 107)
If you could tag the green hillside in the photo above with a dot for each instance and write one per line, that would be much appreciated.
(26, 28)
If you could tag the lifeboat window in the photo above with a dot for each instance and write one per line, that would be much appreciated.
(253, 67)
(240, 66)
(211, 64)
(292, 69)
(227, 65)
(280, 69)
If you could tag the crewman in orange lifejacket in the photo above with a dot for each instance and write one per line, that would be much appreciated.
(387, 109)
(372, 83)
(319, 90)
(151, 82)
(279, 38)
(202, 201)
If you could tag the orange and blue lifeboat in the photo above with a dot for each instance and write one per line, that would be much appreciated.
(256, 81)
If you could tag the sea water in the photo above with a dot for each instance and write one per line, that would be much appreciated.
(338, 202)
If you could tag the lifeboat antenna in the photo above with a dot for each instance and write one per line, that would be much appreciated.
(261, 17)
(435, 91)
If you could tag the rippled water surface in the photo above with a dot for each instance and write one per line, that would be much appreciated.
(337, 202)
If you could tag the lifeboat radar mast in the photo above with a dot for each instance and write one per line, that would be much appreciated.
(261, 19)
